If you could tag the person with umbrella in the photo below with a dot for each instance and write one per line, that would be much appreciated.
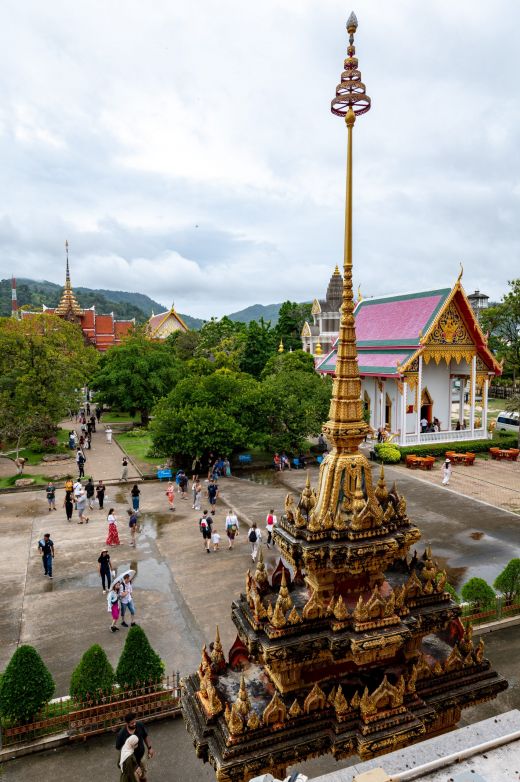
(113, 604)
(126, 598)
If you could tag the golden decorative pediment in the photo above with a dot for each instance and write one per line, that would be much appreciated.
(306, 330)
(316, 307)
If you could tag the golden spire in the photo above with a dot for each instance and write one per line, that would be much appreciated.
(68, 303)
(346, 427)
(336, 270)
(280, 347)
(318, 350)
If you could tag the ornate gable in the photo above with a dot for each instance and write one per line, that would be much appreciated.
(306, 330)
(449, 336)
(316, 307)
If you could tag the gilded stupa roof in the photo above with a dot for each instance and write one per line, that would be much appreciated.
(68, 303)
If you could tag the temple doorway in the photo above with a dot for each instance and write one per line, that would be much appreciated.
(388, 412)
(426, 406)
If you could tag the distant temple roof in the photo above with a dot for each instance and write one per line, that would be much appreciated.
(392, 331)
(162, 325)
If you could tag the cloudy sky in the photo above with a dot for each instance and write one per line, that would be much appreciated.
(187, 150)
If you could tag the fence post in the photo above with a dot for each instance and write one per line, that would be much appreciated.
(499, 606)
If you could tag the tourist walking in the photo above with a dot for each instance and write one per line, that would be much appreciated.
(127, 601)
(135, 496)
(113, 605)
(231, 527)
(113, 535)
(68, 504)
(215, 540)
(170, 493)
(205, 523)
(81, 503)
(133, 727)
(133, 523)
(80, 461)
(212, 495)
(105, 570)
(100, 494)
(93, 422)
(130, 770)
(197, 494)
(51, 496)
(90, 490)
(46, 548)
(98, 413)
(108, 434)
(182, 481)
(446, 472)
(124, 469)
(255, 538)
(270, 524)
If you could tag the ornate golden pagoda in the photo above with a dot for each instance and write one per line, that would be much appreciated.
(350, 647)
(68, 308)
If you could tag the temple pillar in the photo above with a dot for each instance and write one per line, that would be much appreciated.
(403, 413)
(450, 394)
(472, 393)
(419, 397)
(462, 393)
(485, 389)
(382, 403)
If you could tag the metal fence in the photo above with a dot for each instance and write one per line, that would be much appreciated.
(79, 720)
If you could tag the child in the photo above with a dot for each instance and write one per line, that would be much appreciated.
(215, 539)
(113, 606)
(170, 493)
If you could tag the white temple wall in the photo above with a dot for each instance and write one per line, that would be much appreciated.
(436, 378)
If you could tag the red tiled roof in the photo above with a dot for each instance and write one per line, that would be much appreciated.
(87, 319)
(104, 324)
(122, 327)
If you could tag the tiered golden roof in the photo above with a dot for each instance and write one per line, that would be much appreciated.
(68, 305)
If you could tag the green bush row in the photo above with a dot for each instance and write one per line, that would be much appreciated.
(507, 440)
(27, 685)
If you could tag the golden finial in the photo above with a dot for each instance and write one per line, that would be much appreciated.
(337, 272)
(340, 702)
(281, 347)
(278, 618)
(459, 278)
(68, 303)
(217, 654)
(242, 703)
(260, 576)
(283, 595)
(340, 610)
(318, 350)
(359, 296)
(294, 617)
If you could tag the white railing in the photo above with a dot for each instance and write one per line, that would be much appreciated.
(446, 436)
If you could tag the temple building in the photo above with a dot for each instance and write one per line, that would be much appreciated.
(102, 331)
(351, 644)
(165, 323)
(421, 357)
(320, 336)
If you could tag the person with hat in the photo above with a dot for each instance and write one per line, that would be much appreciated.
(446, 472)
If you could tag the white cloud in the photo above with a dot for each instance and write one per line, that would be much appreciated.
(187, 150)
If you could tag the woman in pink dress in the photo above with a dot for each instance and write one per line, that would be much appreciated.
(113, 536)
(170, 493)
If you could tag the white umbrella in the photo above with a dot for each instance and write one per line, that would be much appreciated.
(121, 576)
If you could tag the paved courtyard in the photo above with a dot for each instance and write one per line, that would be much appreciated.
(181, 593)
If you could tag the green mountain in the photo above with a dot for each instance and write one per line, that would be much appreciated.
(269, 312)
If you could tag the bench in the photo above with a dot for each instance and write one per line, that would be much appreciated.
(245, 458)
(164, 474)
(510, 454)
(461, 458)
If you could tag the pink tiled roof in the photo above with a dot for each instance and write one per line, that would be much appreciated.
(397, 318)
(388, 360)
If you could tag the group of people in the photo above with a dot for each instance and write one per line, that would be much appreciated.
(211, 537)
(281, 461)
(430, 426)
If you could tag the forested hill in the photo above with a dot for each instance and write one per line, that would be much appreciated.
(269, 312)
(123, 304)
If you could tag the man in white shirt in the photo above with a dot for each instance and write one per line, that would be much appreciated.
(127, 601)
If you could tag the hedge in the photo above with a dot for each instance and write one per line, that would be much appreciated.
(26, 685)
(388, 453)
(94, 676)
(507, 440)
(139, 663)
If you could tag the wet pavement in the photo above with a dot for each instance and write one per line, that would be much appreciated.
(181, 593)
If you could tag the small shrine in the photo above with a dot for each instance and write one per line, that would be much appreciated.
(351, 645)
(163, 324)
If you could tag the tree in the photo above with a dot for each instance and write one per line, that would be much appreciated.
(26, 685)
(137, 373)
(139, 664)
(260, 344)
(43, 362)
(508, 581)
(478, 592)
(219, 412)
(94, 676)
(222, 342)
(283, 363)
(503, 324)
(291, 319)
(184, 343)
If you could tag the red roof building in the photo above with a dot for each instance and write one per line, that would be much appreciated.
(102, 331)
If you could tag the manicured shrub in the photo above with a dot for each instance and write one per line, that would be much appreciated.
(479, 594)
(26, 685)
(473, 446)
(138, 664)
(508, 581)
(388, 453)
(94, 676)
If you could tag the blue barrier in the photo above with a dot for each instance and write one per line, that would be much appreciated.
(245, 458)
(166, 474)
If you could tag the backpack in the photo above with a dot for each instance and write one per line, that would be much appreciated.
(203, 523)
(252, 537)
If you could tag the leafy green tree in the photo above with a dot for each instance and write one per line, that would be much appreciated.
(218, 412)
(478, 592)
(295, 404)
(94, 676)
(512, 405)
(184, 343)
(43, 362)
(26, 685)
(503, 324)
(291, 319)
(284, 363)
(136, 374)
(222, 342)
(260, 344)
(508, 581)
(139, 664)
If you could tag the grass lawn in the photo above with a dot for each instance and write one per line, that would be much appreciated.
(8, 483)
(117, 416)
(138, 447)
